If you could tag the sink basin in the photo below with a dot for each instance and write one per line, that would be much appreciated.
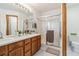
(13, 37)
(7, 38)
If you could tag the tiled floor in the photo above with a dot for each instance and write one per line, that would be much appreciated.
(42, 51)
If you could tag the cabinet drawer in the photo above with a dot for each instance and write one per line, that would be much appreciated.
(19, 51)
(16, 52)
(28, 53)
(34, 47)
(15, 45)
(34, 39)
(28, 47)
(12, 53)
(3, 50)
(27, 41)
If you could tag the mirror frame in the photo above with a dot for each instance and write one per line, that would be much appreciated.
(7, 23)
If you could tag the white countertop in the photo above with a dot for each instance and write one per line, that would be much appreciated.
(11, 39)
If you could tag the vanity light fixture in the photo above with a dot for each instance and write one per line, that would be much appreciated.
(22, 7)
(27, 9)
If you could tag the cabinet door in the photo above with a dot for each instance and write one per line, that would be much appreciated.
(28, 47)
(17, 52)
(3, 51)
(39, 43)
(34, 46)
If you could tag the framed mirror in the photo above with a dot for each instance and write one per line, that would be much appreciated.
(11, 24)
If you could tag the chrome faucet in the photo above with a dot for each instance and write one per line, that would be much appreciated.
(1, 36)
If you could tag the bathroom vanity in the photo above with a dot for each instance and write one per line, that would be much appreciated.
(26, 45)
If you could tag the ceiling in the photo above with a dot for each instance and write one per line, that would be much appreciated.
(11, 6)
(44, 7)
(37, 7)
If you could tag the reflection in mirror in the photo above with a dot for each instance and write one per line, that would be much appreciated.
(34, 25)
(12, 24)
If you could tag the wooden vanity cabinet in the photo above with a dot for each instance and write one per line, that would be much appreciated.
(26, 47)
(3, 51)
(16, 49)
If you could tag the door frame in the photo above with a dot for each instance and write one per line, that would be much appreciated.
(64, 29)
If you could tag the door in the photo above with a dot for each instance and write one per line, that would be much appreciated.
(34, 45)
